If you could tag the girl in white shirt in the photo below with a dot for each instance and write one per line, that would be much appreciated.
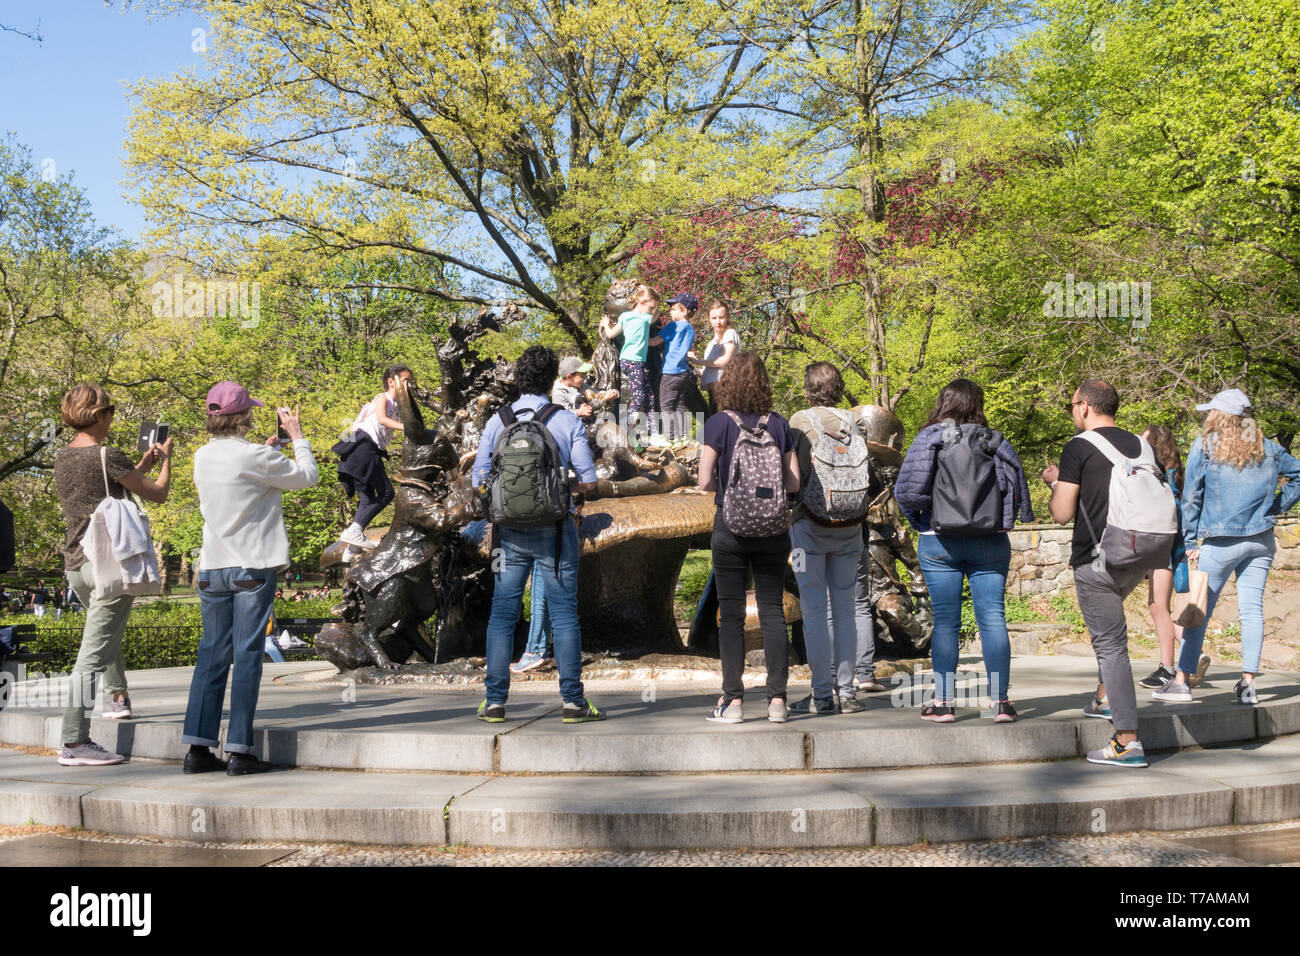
(361, 468)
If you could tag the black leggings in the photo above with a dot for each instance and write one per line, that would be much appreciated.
(766, 558)
(372, 500)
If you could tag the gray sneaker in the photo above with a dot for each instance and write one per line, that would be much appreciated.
(868, 684)
(1173, 691)
(726, 712)
(777, 712)
(1202, 666)
(89, 754)
(851, 705)
(117, 709)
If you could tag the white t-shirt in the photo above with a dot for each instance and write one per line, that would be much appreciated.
(368, 423)
(714, 352)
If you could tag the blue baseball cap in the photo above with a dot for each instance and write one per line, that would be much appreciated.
(685, 298)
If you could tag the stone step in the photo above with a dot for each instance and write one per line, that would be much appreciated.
(661, 729)
(1197, 788)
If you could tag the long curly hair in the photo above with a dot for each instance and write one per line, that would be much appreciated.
(1237, 439)
(1165, 445)
(744, 386)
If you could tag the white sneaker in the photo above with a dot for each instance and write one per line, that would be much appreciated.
(355, 538)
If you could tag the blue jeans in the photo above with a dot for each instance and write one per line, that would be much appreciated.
(235, 604)
(984, 560)
(1249, 558)
(522, 550)
(539, 619)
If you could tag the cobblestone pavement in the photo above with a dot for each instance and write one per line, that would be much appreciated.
(1130, 850)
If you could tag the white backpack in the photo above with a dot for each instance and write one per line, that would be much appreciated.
(118, 547)
(1142, 518)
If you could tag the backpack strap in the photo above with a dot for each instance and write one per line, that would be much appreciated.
(546, 412)
(1107, 448)
(507, 414)
(103, 464)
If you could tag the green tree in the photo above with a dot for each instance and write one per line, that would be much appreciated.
(68, 305)
(517, 143)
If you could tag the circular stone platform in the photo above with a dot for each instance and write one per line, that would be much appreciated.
(657, 774)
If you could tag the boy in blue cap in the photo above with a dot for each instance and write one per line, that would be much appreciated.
(678, 394)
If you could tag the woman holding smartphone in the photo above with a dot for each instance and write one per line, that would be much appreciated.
(245, 547)
(84, 471)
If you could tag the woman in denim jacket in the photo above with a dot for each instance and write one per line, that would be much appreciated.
(983, 559)
(1230, 503)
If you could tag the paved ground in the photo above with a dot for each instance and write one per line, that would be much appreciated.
(1127, 850)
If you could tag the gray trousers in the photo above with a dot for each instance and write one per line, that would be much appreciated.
(1101, 602)
(100, 653)
(825, 562)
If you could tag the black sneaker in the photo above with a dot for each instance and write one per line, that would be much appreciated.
(241, 764)
(573, 713)
(204, 761)
(1244, 690)
(1157, 678)
(939, 713)
(492, 713)
(1003, 712)
(809, 705)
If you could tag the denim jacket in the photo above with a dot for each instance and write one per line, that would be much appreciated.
(915, 484)
(1220, 500)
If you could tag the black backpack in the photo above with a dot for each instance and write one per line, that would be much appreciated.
(966, 499)
(527, 485)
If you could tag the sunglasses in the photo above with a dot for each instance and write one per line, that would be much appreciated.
(1069, 408)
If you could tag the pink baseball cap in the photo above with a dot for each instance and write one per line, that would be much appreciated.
(230, 398)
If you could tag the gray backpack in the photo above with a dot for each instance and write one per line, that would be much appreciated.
(754, 504)
(838, 489)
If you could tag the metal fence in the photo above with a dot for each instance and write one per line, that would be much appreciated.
(142, 647)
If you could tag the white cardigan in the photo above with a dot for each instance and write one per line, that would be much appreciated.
(239, 486)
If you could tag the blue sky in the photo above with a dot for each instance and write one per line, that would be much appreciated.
(66, 98)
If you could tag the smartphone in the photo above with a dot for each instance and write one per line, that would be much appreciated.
(281, 435)
(151, 433)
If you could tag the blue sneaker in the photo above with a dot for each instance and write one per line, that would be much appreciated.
(528, 662)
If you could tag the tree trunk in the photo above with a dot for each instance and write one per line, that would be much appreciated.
(872, 198)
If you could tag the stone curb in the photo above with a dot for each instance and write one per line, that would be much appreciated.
(1258, 784)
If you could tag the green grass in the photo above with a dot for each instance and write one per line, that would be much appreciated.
(1066, 612)
(693, 577)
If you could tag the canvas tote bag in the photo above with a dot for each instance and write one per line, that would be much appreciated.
(115, 575)
(1189, 608)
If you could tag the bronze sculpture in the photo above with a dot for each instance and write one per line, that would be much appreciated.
(435, 564)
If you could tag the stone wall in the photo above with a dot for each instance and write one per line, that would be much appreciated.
(1040, 556)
